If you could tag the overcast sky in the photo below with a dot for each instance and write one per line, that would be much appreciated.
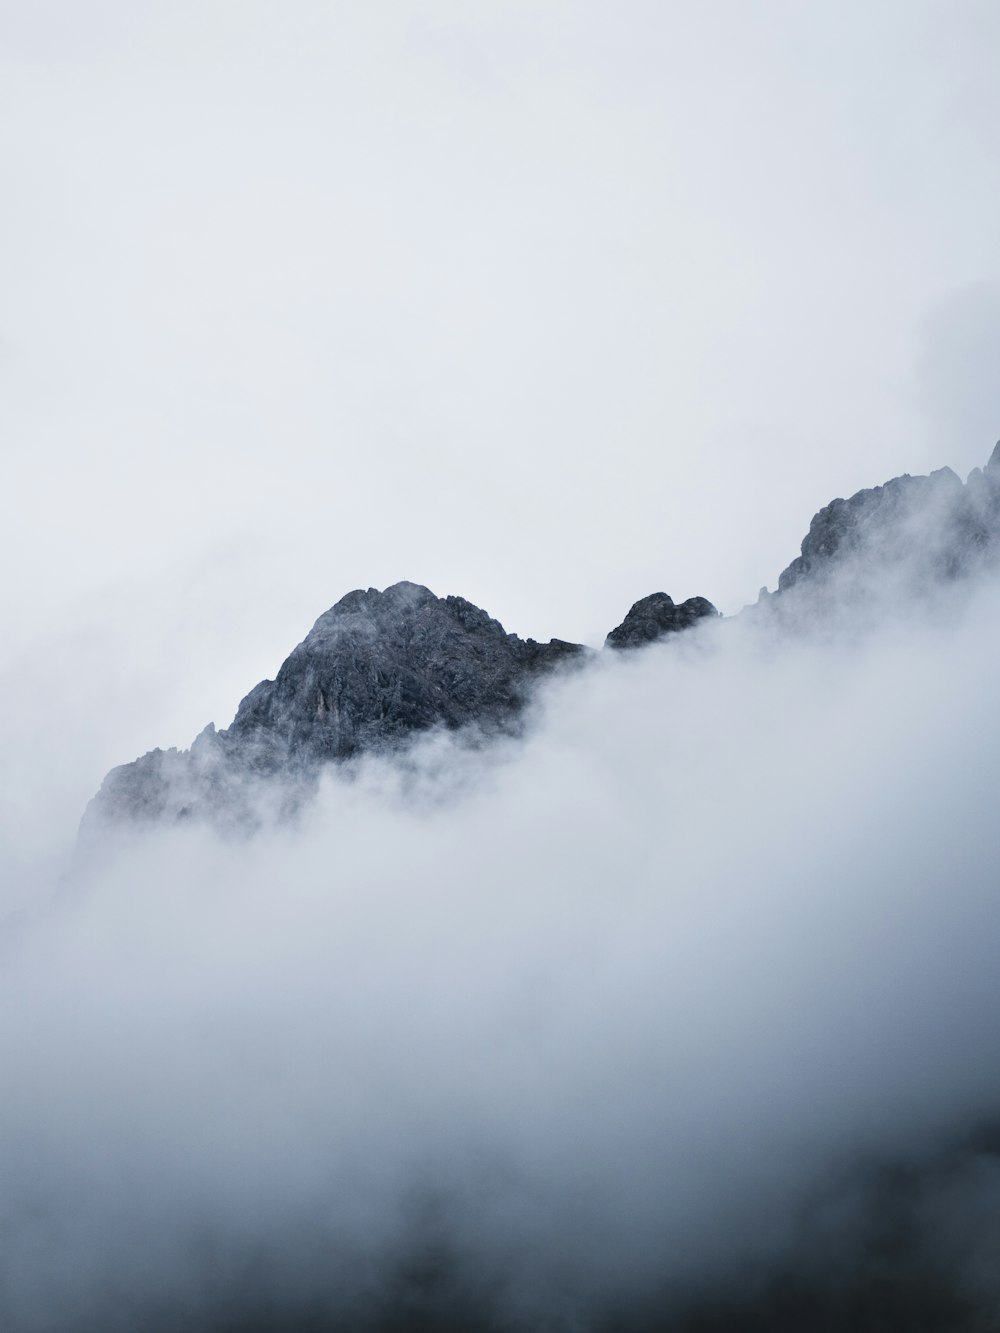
(551, 305)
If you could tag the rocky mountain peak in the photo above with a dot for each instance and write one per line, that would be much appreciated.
(655, 616)
(382, 666)
(376, 669)
(908, 534)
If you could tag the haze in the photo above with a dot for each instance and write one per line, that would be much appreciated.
(550, 306)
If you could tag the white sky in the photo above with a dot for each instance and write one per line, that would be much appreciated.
(551, 305)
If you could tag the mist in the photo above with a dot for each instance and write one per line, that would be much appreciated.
(691, 988)
(678, 1011)
(551, 304)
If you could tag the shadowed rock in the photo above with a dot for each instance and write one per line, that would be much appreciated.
(911, 535)
(376, 669)
(655, 616)
(379, 668)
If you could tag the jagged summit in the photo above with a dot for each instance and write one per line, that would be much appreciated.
(380, 665)
(376, 669)
(383, 666)
(656, 615)
(910, 535)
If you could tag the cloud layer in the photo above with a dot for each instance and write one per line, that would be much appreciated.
(557, 1033)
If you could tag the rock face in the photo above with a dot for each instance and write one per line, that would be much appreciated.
(375, 670)
(912, 533)
(382, 667)
(655, 616)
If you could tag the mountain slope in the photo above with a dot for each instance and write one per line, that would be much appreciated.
(379, 668)
(903, 538)
(375, 670)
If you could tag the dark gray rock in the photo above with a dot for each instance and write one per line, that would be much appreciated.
(907, 538)
(656, 616)
(907, 518)
(375, 670)
(379, 668)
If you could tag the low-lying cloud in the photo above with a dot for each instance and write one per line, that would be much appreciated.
(691, 993)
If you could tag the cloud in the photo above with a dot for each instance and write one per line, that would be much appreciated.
(364, 293)
(544, 1035)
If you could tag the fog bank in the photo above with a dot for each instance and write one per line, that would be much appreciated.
(565, 1033)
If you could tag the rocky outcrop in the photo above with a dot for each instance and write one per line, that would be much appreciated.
(656, 616)
(912, 534)
(379, 668)
(374, 671)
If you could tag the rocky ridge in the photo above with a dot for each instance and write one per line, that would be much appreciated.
(655, 616)
(910, 534)
(381, 667)
(375, 670)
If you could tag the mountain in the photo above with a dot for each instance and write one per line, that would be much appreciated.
(655, 616)
(380, 667)
(907, 537)
(893, 1235)
(374, 670)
